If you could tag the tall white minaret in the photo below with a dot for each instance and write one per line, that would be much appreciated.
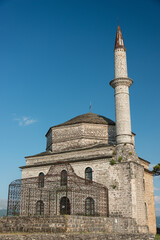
(121, 84)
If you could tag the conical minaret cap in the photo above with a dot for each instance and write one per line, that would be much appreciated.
(119, 43)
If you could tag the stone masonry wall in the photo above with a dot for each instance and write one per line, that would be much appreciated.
(77, 236)
(34, 171)
(84, 153)
(73, 144)
(67, 223)
(80, 135)
(125, 186)
(32, 224)
(149, 200)
(144, 163)
(70, 227)
(77, 191)
(137, 191)
(120, 63)
(122, 181)
(116, 178)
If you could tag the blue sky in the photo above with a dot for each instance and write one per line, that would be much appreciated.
(56, 56)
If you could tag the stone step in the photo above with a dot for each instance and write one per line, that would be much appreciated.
(77, 236)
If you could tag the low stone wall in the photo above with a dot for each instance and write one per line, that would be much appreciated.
(69, 223)
(100, 224)
(33, 224)
(82, 236)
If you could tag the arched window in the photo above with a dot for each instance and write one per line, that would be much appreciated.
(41, 180)
(88, 173)
(40, 208)
(89, 207)
(64, 206)
(64, 178)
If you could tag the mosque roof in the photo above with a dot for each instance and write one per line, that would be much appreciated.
(87, 118)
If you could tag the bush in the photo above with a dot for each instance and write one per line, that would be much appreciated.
(112, 162)
(120, 159)
(157, 237)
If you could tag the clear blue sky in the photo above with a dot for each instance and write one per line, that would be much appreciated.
(57, 55)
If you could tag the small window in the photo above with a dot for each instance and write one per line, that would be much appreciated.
(146, 211)
(144, 187)
(88, 173)
(40, 208)
(89, 207)
(41, 180)
(64, 178)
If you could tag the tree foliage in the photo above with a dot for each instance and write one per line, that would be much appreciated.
(156, 170)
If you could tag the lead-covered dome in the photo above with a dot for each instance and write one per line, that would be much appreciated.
(88, 118)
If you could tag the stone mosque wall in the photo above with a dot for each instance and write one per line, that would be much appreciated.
(76, 136)
(123, 180)
(149, 201)
(77, 190)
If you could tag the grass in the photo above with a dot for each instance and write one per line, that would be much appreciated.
(157, 237)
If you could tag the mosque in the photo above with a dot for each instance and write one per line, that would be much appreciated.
(90, 166)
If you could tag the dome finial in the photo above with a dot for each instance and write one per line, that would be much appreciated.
(90, 107)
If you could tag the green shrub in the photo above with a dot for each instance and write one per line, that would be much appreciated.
(157, 237)
(112, 162)
(120, 159)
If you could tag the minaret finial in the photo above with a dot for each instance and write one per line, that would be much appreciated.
(119, 43)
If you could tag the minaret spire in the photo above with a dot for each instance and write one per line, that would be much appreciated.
(119, 43)
(121, 84)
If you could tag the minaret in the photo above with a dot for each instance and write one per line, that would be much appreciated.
(121, 85)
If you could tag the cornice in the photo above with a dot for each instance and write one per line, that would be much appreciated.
(121, 81)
